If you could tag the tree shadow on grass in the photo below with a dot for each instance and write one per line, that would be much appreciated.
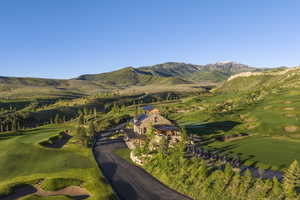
(57, 141)
(19, 191)
(80, 197)
(212, 127)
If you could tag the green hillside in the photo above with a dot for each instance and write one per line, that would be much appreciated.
(257, 116)
(164, 75)
(130, 76)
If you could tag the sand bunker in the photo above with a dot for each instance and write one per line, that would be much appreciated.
(75, 192)
(289, 108)
(291, 129)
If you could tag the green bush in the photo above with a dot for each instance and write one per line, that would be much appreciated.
(55, 184)
(5, 190)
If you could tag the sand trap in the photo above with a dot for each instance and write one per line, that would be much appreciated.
(73, 191)
(290, 115)
(289, 108)
(267, 107)
(291, 129)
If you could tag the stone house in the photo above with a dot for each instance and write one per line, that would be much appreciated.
(162, 127)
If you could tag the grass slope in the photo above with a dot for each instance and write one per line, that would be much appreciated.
(264, 106)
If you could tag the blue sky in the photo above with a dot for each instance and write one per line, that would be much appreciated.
(67, 38)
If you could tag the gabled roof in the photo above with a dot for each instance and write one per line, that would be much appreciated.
(140, 118)
(148, 108)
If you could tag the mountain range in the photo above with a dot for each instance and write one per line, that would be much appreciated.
(166, 74)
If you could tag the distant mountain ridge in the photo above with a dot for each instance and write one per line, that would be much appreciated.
(166, 74)
(175, 72)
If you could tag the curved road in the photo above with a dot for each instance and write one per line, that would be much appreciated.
(129, 181)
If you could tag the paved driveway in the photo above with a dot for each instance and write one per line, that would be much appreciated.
(129, 181)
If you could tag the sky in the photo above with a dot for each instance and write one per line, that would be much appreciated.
(67, 38)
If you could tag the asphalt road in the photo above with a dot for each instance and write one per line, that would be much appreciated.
(129, 181)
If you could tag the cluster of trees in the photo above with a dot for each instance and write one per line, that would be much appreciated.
(196, 179)
(9, 123)
(85, 132)
(118, 109)
(10, 109)
(61, 118)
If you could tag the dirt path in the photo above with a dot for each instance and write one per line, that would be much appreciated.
(129, 181)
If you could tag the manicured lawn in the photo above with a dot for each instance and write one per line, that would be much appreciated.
(23, 159)
(275, 116)
(268, 151)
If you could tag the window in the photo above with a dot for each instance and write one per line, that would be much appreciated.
(145, 129)
(155, 119)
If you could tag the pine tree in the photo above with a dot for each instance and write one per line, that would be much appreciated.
(81, 120)
(81, 135)
(291, 179)
(163, 145)
(246, 182)
(56, 119)
(85, 111)
(184, 135)
(14, 125)
(234, 185)
(276, 192)
(203, 171)
(91, 130)
(95, 112)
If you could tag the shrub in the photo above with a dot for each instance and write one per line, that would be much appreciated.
(5, 190)
(55, 184)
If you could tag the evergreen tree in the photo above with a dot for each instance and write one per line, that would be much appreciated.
(95, 112)
(14, 125)
(163, 145)
(81, 120)
(115, 108)
(184, 135)
(85, 111)
(82, 136)
(56, 119)
(291, 179)
(234, 185)
(228, 172)
(91, 130)
(246, 182)
(276, 192)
